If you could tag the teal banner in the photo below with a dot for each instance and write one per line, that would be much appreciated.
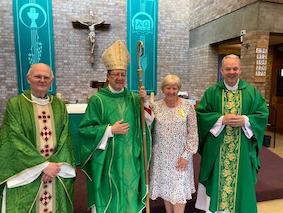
(33, 30)
(142, 19)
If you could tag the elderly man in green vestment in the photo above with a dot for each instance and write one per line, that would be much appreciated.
(111, 141)
(37, 163)
(232, 118)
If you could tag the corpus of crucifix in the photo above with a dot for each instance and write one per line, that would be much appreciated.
(91, 25)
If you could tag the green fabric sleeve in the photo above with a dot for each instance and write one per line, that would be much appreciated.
(258, 116)
(16, 150)
(92, 128)
(207, 115)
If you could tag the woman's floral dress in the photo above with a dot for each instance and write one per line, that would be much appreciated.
(175, 135)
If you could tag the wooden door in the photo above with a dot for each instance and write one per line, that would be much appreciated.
(277, 86)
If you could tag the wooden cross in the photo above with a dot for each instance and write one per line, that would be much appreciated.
(92, 25)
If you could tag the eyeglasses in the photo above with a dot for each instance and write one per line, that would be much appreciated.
(41, 77)
(119, 74)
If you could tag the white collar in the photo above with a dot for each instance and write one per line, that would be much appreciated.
(115, 91)
(40, 101)
(233, 88)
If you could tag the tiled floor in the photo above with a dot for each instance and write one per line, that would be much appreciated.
(273, 206)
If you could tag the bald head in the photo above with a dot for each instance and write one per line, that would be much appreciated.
(231, 56)
(39, 77)
(231, 69)
(38, 66)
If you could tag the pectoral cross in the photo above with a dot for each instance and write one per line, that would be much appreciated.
(91, 25)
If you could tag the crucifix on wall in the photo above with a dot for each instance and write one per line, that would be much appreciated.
(91, 25)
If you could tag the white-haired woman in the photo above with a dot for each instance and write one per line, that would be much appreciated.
(175, 140)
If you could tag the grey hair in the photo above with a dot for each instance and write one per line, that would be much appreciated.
(232, 56)
(171, 80)
(31, 67)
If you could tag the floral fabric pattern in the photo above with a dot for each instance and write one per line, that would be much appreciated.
(175, 135)
(229, 155)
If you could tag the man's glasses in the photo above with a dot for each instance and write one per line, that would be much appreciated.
(41, 77)
(118, 74)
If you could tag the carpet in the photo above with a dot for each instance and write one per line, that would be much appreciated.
(269, 185)
(270, 177)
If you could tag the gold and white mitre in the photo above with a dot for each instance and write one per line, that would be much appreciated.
(116, 56)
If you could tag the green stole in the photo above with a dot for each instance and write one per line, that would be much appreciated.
(229, 153)
(19, 126)
(209, 110)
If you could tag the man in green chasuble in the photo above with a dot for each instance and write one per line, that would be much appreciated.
(37, 163)
(111, 141)
(232, 118)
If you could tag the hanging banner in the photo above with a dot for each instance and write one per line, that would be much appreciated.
(33, 30)
(142, 19)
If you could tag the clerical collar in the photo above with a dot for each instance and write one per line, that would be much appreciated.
(40, 101)
(115, 91)
(233, 88)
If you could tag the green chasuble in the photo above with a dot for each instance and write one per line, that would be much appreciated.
(116, 175)
(230, 161)
(19, 151)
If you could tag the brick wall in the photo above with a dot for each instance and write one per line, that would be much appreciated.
(202, 70)
(173, 39)
(8, 80)
(204, 11)
(197, 66)
(252, 40)
(73, 70)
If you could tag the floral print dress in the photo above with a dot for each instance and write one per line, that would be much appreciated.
(175, 135)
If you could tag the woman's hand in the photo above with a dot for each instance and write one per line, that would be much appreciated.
(182, 164)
